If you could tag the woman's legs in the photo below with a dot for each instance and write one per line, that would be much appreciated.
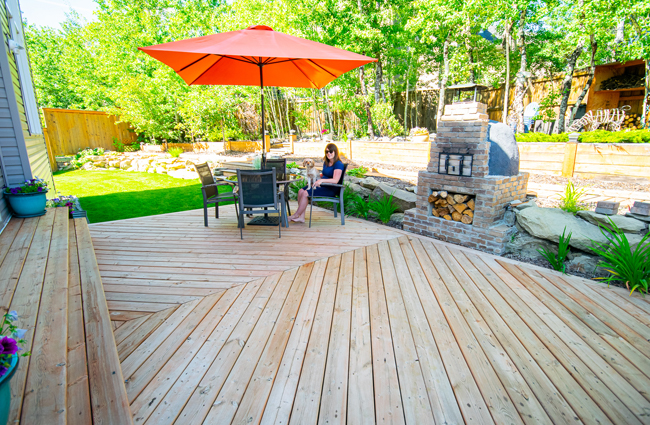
(303, 201)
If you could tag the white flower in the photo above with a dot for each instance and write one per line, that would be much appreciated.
(13, 315)
(19, 333)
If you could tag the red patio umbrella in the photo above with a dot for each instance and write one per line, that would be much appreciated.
(255, 56)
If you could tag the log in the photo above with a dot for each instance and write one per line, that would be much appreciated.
(441, 203)
(456, 216)
(450, 200)
(460, 207)
(432, 198)
(450, 208)
(435, 194)
(468, 213)
(434, 212)
(460, 198)
(466, 219)
(470, 204)
(446, 217)
(442, 211)
(442, 194)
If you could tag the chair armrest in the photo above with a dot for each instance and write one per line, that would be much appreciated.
(331, 184)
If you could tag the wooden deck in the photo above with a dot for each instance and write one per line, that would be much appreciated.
(356, 324)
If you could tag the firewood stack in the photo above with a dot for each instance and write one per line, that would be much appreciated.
(452, 207)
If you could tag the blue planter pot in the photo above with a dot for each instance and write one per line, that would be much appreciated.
(27, 204)
(5, 390)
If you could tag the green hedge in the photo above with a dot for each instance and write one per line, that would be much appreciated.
(597, 136)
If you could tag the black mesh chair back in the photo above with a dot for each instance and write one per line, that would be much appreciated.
(256, 188)
(345, 168)
(280, 166)
(207, 180)
(336, 200)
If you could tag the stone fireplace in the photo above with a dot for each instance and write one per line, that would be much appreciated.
(472, 177)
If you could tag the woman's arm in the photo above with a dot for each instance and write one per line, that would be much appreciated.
(335, 179)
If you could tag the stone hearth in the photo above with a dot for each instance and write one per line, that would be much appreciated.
(464, 131)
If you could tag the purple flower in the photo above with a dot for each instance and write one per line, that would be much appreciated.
(3, 370)
(14, 190)
(8, 346)
(40, 189)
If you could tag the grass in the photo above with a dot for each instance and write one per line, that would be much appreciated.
(116, 195)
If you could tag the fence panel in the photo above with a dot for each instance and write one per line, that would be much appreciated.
(70, 131)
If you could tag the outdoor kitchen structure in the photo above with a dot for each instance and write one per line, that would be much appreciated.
(471, 179)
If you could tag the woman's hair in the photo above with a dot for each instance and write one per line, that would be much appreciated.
(332, 148)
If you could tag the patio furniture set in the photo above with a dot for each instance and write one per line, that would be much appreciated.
(260, 192)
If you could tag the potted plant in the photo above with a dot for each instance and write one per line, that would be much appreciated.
(419, 134)
(10, 337)
(28, 199)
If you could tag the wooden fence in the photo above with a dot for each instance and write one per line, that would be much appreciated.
(69, 131)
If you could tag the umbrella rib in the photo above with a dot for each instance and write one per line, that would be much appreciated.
(282, 61)
(209, 68)
(193, 63)
(246, 60)
(303, 73)
(321, 68)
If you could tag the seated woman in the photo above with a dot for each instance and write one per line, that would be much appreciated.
(332, 170)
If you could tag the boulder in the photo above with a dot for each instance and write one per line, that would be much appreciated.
(504, 154)
(587, 264)
(524, 245)
(638, 217)
(369, 183)
(87, 166)
(412, 189)
(403, 199)
(101, 164)
(359, 190)
(549, 223)
(125, 164)
(161, 170)
(352, 179)
(626, 224)
(114, 163)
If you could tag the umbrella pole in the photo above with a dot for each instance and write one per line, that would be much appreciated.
(262, 96)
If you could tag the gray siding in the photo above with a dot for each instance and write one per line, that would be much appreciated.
(12, 157)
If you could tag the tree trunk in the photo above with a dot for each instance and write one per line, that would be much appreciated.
(406, 99)
(520, 87)
(506, 95)
(317, 112)
(443, 82)
(364, 92)
(585, 89)
(378, 79)
(566, 86)
(328, 111)
(645, 113)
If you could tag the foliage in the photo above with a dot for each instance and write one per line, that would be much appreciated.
(542, 138)
(82, 156)
(384, 118)
(11, 337)
(384, 207)
(175, 152)
(570, 201)
(293, 165)
(557, 260)
(546, 111)
(359, 172)
(419, 131)
(632, 268)
(297, 185)
(119, 146)
(358, 206)
(63, 201)
(604, 136)
(116, 195)
(34, 185)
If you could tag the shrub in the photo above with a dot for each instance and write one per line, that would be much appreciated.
(382, 114)
(82, 156)
(384, 207)
(175, 152)
(596, 136)
(632, 268)
(557, 260)
(358, 172)
(293, 165)
(571, 199)
(359, 206)
(542, 138)
(119, 146)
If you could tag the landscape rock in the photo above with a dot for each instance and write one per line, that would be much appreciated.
(369, 183)
(352, 179)
(524, 245)
(587, 264)
(397, 218)
(549, 224)
(504, 153)
(403, 199)
(626, 224)
(412, 189)
(360, 190)
(525, 205)
(638, 217)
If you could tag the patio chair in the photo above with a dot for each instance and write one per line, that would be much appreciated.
(280, 166)
(258, 195)
(334, 200)
(210, 191)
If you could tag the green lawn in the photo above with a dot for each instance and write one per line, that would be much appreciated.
(116, 195)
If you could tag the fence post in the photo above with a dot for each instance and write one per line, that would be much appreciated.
(349, 149)
(570, 151)
(292, 139)
(50, 153)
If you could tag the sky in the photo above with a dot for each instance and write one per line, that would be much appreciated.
(52, 12)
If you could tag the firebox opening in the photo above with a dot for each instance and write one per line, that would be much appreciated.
(452, 206)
